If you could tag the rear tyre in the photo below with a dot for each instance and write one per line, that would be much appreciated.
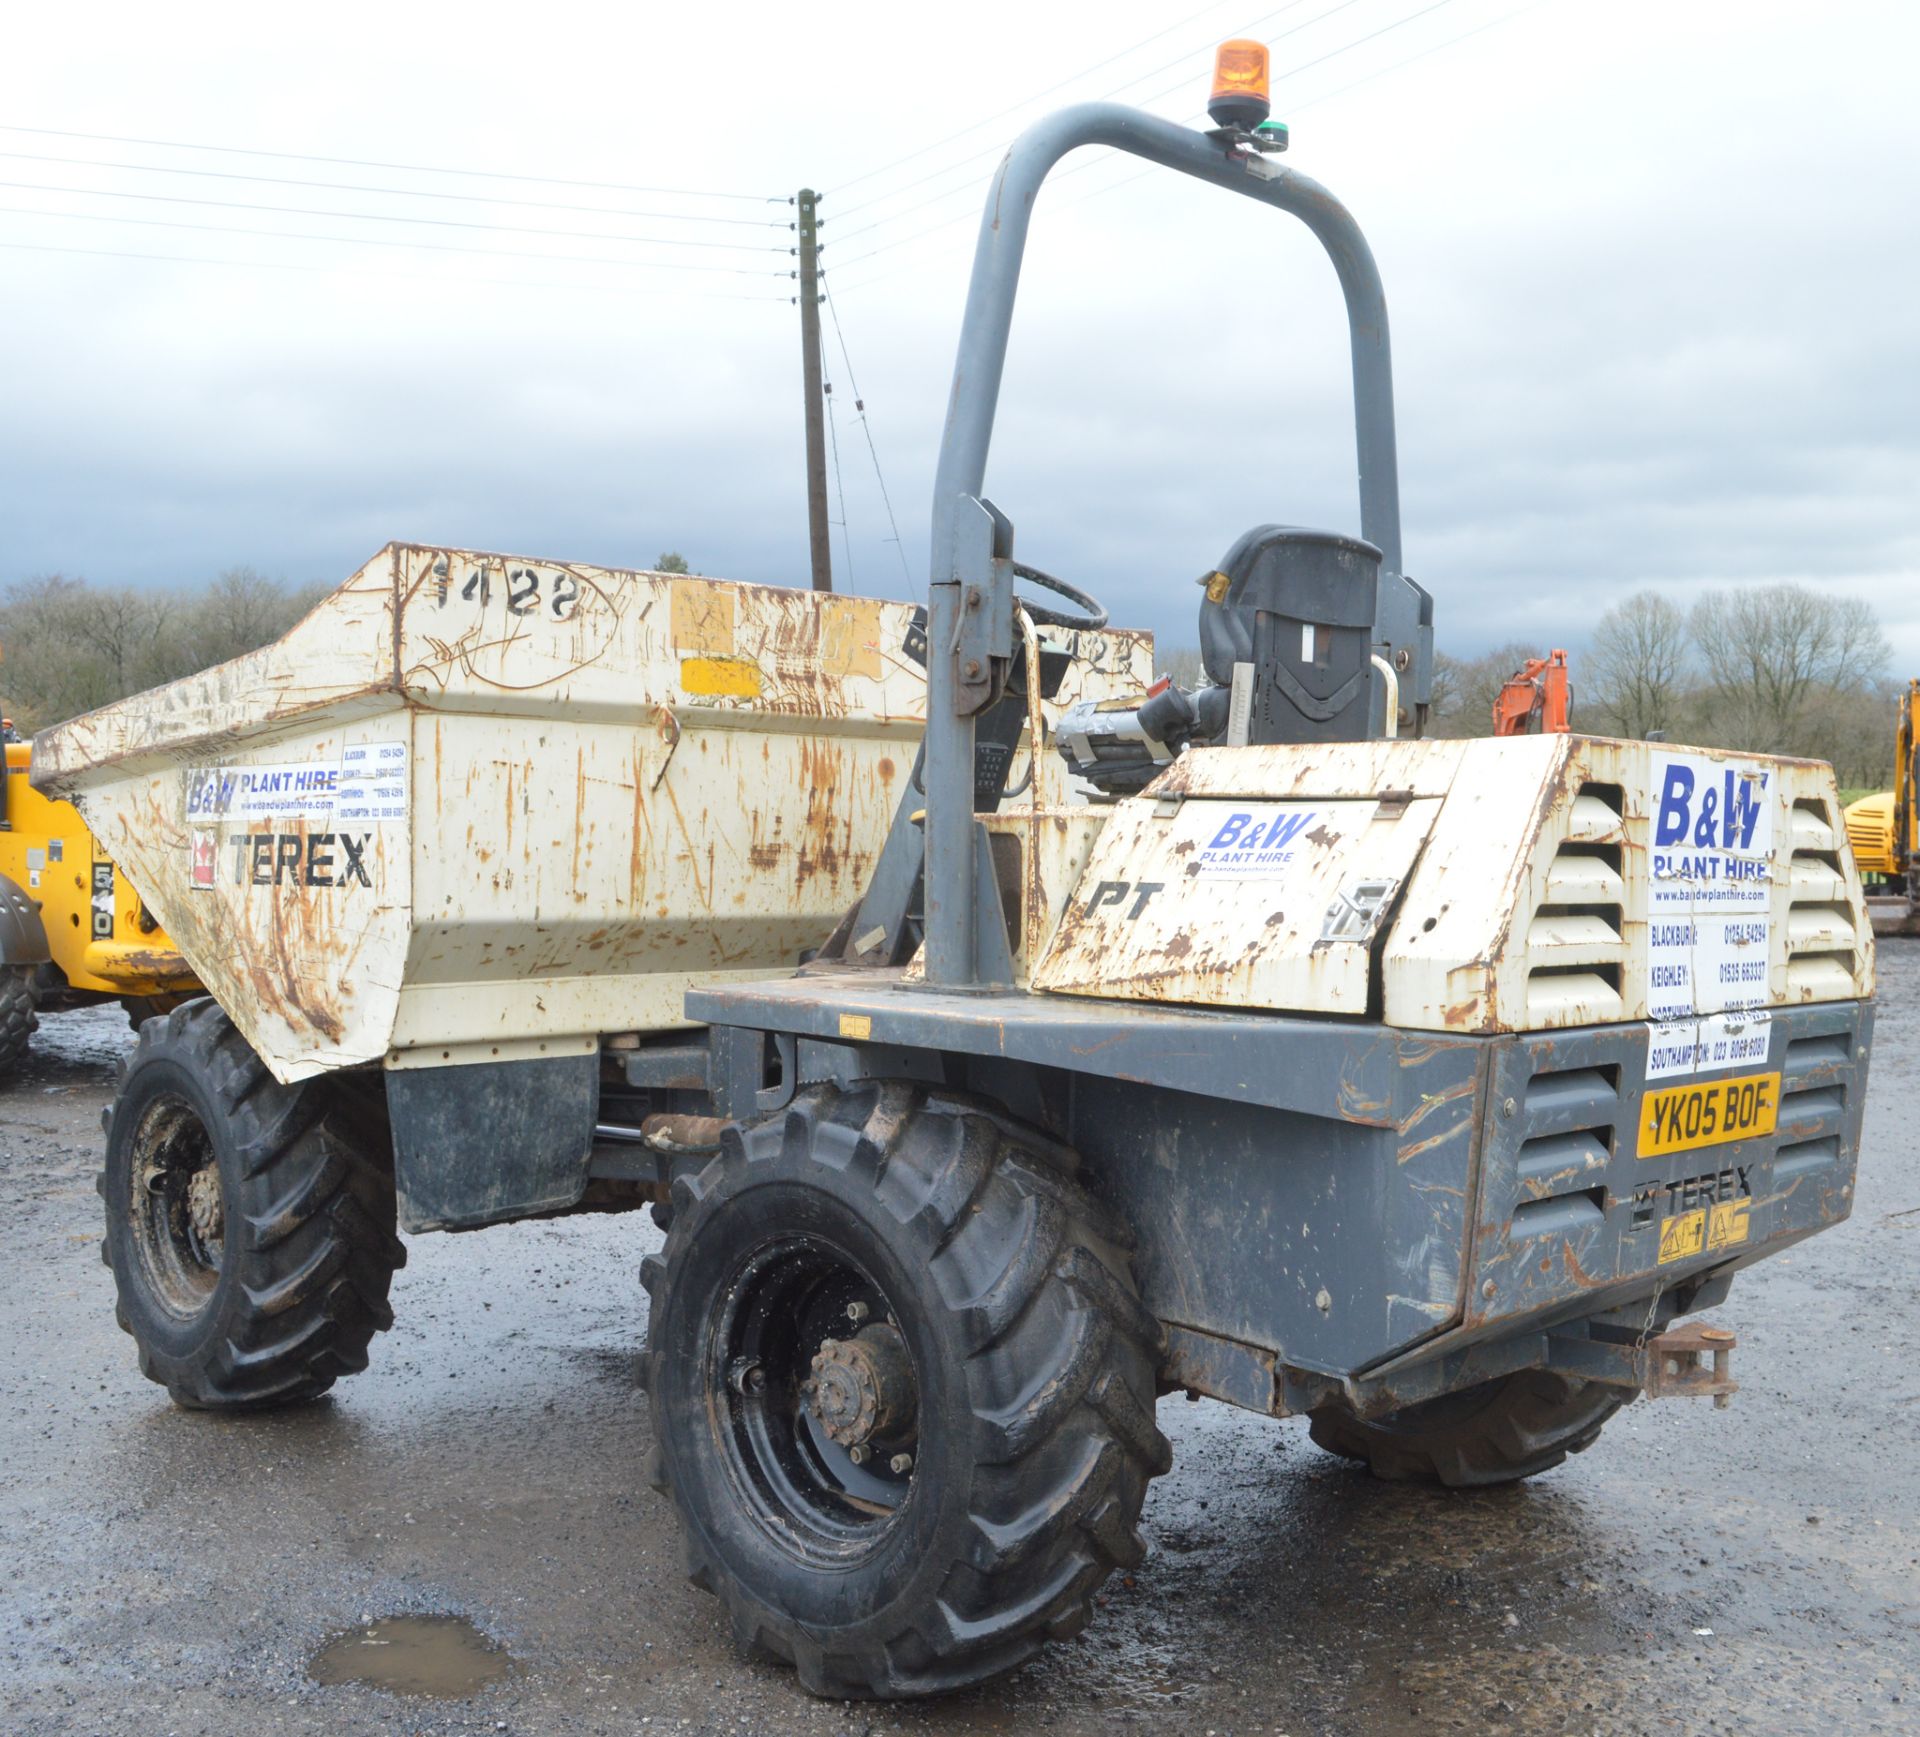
(250, 1225)
(18, 1018)
(902, 1389)
(1496, 1433)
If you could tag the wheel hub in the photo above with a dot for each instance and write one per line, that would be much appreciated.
(205, 1210)
(177, 1215)
(862, 1388)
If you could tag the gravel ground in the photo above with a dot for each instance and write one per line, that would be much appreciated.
(1753, 1570)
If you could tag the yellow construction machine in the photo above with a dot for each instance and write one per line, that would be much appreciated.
(1884, 830)
(73, 932)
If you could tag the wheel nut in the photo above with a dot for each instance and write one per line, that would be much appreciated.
(857, 1312)
(900, 1465)
(859, 1453)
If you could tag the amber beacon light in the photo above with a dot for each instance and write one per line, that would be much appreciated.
(1239, 96)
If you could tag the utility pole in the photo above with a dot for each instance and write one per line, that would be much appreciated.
(808, 226)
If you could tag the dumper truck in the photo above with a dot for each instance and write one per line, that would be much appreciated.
(1005, 1039)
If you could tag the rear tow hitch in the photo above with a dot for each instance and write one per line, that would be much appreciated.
(1685, 1362)
(1678, 1367)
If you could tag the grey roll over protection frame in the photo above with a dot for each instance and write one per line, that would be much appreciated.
(970, 613)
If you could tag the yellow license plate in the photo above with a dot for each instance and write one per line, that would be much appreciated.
(1679, 1118)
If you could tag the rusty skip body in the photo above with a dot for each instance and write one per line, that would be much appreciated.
(476, 808)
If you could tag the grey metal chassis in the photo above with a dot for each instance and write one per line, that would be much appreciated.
(1329, 1206)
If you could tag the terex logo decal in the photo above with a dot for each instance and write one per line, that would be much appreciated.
(1711, 819)
(315, 859)
(1684, 1193)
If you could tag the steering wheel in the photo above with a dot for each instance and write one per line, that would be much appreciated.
(1093, 614)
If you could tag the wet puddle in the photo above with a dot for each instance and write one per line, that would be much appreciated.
(442, 1656)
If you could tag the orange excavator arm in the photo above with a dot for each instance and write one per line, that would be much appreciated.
(1537, 699)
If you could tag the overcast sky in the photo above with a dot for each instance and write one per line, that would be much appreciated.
(1652, 270)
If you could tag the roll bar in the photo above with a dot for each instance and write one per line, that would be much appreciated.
(970, 606)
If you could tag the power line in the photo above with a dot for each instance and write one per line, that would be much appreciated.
(1332, 54)
(703, 293)
(389, 217)
(394, 192)
(374, 163)
(860, 406)
(991, 151)
(378, 241)
(1435, 48)
(1292, 109)
(1025, 102)
(839, 485)
(1093, 162)
(1352, 84)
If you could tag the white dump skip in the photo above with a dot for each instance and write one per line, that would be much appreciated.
(475, 807)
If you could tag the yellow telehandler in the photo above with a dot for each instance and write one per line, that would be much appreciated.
(73, 932)
(1884, 830)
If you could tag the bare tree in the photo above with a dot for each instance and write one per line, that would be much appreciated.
(123, 629)
(1778, 660)
(1636, 676)
(69, 646)
(1857, 734)
(1182, 662)
(1443, 700)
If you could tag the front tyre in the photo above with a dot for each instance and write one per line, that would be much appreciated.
(19, 1018)
(902, 1389)
(1496, 1433)
(250, 1225)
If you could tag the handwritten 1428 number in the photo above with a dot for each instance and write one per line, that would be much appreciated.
(522, 590)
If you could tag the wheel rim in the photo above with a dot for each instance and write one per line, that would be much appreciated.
(178, 1207)
(819, 1427)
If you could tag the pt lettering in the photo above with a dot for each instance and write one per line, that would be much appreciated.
(1116, 893)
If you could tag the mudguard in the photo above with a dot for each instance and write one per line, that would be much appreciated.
(23, 937)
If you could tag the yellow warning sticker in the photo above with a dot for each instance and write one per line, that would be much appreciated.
(1683, 1235)
(1729, 1224)
(730, 677)
(856, 1025)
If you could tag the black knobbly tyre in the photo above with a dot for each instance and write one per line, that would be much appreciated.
(1496, 1433)
(250, 1225)
(18, 1018)
(902, 1389)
